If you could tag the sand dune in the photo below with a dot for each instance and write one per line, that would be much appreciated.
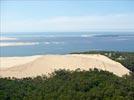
(7, 62)
(48, 63)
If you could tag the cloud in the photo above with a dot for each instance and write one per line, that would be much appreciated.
(117, 22)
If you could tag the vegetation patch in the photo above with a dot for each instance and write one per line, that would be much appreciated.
(69, 85)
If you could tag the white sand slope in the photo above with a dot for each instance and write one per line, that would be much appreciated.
(48, 63)
(7, 62)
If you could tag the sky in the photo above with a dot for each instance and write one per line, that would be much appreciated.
(66, 15)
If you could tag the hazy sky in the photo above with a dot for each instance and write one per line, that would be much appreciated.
(67, 15)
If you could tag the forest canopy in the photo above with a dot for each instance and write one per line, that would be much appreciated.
(69, 85)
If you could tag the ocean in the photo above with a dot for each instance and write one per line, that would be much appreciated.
(40, 43)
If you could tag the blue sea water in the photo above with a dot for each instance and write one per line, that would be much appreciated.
(40, 43)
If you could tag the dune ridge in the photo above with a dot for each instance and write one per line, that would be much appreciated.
(46, 64)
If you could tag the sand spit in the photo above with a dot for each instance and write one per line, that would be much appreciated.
(5, 44)
(21, 67)
(7, 38)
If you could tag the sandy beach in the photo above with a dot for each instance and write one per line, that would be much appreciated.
(32, 66)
